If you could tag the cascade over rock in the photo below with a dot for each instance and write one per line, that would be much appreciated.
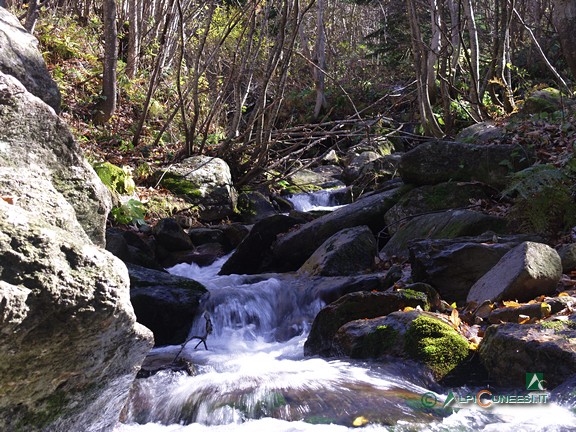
(70, 346)
(293, 249)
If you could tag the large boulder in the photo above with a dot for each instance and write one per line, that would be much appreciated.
(527, 271)
(452, 266)
(510, 351)
(441, 161)
(70, 346)
(204, 181)
(422, 336)
(439, 225)
(21, 58)
(40, 162)
(164, 303)
(353, 306)
(432, 198)
(293, 249)
(347, 252)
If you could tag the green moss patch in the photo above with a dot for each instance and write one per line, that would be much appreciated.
(118, 180)
(436, 344)
(180, 186)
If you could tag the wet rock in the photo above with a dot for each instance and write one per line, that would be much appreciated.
(509, 351)
(21, 58)
(250, 255)
(294, 248)
(170, 235)
(132, 248)
(527, 271)
(347, 252)
(164, 303)
(452, 266)
(205, 181)
(442, 225)
(254, 206)
(374, 338)
(306, 180)
(375, 173)
(432, 198)
(441, 161)
(422, 336)
(200, 236)
(355, 306)
(203, 255)
(357, 163)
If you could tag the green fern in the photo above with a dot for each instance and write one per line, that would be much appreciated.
(542, 200)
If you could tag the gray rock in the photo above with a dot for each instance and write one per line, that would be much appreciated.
(347, 252)
(164, 303)
(432, 198)
(452, 266)
(355, 306)
(70, 345)
(40, 162)
(509, 351)
(205, 181)
(480, 133)
(567, 254)
(377, 172)
(21, 58)
(442, 225)
(293, 249)
(527, 271)
(306, 180)
(441, 161)
(357, 163)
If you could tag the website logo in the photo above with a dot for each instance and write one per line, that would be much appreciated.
(535, 381)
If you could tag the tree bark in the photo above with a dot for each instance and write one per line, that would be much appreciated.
(134, 29)
(106, 108)
(319, 72)
(564, 17)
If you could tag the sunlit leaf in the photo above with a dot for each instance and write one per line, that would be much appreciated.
(455, 318)
(511, 304)
(407, 309)
(523, 319)
(360, 421)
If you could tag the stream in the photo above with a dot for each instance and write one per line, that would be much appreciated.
(254, 376)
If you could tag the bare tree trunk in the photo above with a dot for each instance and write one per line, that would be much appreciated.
(564, 17)
(32, 15)
(319, 72)
(429, 122)
(433, 52)
(475, 98)
(134, 36)
(3, 4)
(106, 108)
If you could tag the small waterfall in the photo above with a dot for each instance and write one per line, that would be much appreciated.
(254, 377)
(319, 200)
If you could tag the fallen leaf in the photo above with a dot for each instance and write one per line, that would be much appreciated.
(523, 319)
(455, 318)
(8, 199)
(360, 421)
(407, 309)
(563, 294)
(511, 304)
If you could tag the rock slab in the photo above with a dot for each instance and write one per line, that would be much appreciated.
(527, 271)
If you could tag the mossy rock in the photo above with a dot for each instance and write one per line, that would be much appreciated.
(179, 185)
(436, 344)
(118, 180)
(547, 100)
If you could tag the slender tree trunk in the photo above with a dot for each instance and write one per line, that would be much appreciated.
(134, 28)
(3, 4)
(106, 108)
(475, 97)
(435, 45)
(32, 15)
(319, 72)
(429, 122)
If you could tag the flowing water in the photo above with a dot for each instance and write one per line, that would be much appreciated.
(319, 200)
(254, 377)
